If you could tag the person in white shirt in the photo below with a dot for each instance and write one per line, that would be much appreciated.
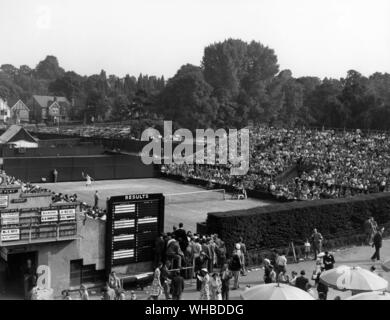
(307, 249)
(294, 276)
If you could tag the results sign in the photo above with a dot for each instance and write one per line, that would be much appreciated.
(67, 214)
(49, 216)
(3, 201)
(8, 218)
(10, 234)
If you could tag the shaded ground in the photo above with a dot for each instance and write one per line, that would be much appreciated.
(353, 256)
(193, 209)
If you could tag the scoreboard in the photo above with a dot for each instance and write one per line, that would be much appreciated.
(133, 223)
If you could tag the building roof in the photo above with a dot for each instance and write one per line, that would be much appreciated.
(46, 101)
(13, 131)
(14, 103)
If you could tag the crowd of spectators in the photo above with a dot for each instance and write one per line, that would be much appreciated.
(116, 131)
(329, 164)
(180, 255)
(94, 211)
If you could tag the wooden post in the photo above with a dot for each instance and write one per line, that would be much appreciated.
(293, 249)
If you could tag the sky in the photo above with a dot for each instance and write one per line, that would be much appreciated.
(323, 38)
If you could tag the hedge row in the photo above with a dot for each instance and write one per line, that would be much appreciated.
(275, 226)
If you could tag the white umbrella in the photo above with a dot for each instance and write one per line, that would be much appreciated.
(373, 295)
(275, 291)
(353, 278)
(386, 265)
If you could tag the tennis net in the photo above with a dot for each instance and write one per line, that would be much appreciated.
(195, 196)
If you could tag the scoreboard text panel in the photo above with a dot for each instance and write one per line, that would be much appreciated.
(133, 223)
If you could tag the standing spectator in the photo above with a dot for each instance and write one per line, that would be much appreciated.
(377, 243)
(317, 242)
(200, 263)
(221, 253)
(206, 247)
(301, 282)
(196, 248)
(181, 236)
(274, 256)
(243, 250)
(164, 278)
(328, 260)
(235, 267)
(29, 272)
(268, 268)
(159, 249)
(84, 293)
(281, 264)
(213, 250)
(174, 253)
(108, 293)
(318, 268)
(114, 282)
(205, 281)
(240, 254)
(96, 200)
(189, 261)
(177, 286)
(307, 249)
(374, 228)
(226, 275)
(215, 287)
(368, 230)
(322, 289)
(55, 175)
(156, 287)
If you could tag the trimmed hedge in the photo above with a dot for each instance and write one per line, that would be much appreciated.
(340, 221)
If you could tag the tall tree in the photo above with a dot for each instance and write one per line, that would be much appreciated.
(49, 69)
(187, 100)
(4, 93)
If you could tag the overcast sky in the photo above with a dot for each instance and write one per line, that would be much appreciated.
(322, 38)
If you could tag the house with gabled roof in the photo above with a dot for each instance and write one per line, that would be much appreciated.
(19, 111)
(5, 110)
(49, 108)
(18, 137)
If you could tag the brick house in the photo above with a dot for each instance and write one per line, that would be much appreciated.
(49, 109)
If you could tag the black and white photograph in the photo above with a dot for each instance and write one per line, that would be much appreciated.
(219, 151)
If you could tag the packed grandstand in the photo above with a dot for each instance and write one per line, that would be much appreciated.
(327, 163)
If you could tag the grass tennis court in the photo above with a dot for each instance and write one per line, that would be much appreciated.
(193, 209)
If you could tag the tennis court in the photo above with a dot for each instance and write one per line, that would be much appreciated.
(185, 203)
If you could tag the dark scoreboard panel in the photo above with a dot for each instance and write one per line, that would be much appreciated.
(133, 223)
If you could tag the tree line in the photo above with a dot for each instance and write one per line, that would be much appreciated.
(236, 83)
(97, 96)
